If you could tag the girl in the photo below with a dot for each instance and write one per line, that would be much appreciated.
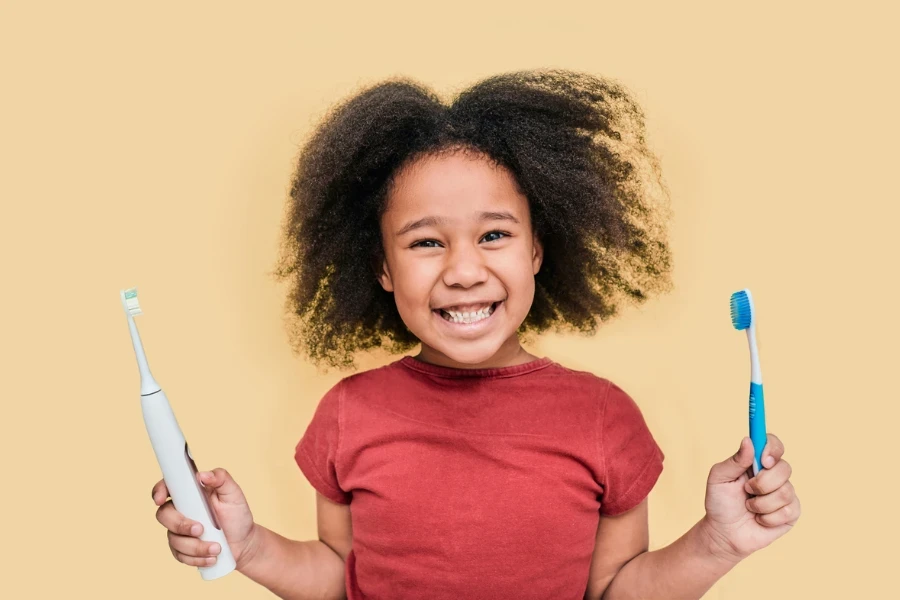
(474, 469)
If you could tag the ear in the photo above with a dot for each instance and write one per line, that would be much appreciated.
(383, 275)
(537, 257)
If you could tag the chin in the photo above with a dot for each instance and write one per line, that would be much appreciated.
(473, 355)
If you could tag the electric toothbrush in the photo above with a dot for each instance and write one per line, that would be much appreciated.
(172, 453)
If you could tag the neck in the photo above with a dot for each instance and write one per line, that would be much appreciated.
(510, 353)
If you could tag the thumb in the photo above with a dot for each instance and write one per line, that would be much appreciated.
(732, 468)
(223, 485)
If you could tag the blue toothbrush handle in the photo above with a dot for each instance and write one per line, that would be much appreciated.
(757, 424)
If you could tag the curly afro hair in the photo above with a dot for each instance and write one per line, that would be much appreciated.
(574, 144)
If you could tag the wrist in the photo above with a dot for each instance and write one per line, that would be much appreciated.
(715, 545)
(251, 547)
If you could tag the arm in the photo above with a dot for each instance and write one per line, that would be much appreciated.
(295, 570)
(743, 515)
(622, 569)
(619, 540)
(685, 569)
(307, 570)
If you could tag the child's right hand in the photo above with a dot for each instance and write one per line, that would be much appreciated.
(230, 508)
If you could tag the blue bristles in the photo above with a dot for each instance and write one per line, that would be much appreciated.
(741, 312)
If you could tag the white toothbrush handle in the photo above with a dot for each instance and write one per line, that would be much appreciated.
(180, 474)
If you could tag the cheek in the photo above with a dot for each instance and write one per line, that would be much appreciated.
(519, 283)
(412, 287)
(525, 289)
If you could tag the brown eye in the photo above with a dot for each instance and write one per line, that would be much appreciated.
(424, 244)
(494, 233)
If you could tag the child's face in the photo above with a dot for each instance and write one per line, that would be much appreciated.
(457, 237)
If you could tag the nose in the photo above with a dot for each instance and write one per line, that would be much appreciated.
(465, 267)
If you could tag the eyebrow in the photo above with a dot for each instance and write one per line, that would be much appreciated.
(435, 221)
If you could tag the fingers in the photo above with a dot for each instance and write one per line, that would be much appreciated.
(160, 492)
(769, 503)
(769, 480)
(775, 501)
(194, 561)
(183, 534)
(786, 515)
(176, 522)
(192, 551)
(734, 467)
(773, 451)
(220, 480)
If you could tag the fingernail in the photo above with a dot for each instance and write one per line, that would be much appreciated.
(195, 529)
(214, 549)
(768, 462)
(211, 560)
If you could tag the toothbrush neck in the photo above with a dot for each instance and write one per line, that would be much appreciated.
(148, 384)
(755, 371)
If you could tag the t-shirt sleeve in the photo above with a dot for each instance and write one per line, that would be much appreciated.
(632, 460)
(317, 451)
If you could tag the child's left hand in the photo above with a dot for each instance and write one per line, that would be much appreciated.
(745, 514)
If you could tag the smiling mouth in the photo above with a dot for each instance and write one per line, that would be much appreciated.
(468, 317)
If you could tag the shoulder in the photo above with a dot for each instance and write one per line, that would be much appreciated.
(365, 383)
(609, 396)
(597, 386)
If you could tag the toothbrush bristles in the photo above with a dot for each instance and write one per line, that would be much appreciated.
(741, 310)
(131, 302)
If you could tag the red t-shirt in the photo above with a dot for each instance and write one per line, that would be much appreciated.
(476, 483)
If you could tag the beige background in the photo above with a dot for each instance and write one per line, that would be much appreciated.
(152, 147)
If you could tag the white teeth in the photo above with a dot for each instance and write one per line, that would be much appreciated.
(468, 317)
